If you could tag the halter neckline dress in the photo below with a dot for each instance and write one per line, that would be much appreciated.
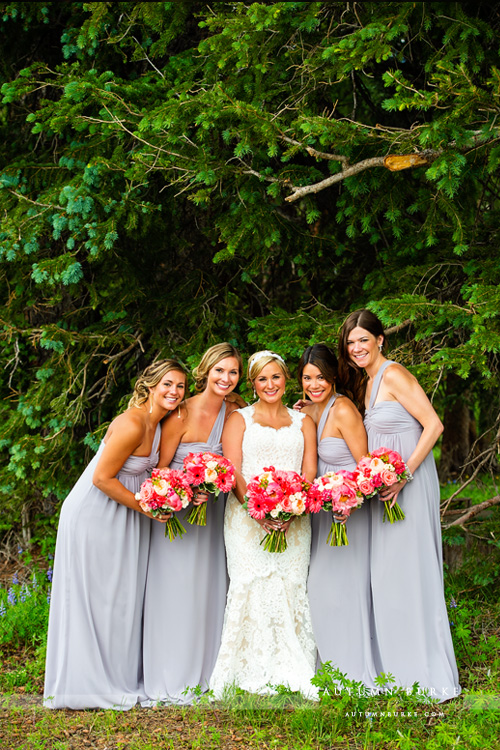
(411, 628)
(339, 577)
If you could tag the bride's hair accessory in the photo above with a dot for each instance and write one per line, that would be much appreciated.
(266, 353)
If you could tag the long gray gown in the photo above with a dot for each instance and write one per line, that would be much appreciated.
(94, 646)
(339, 577)
(185, 596)
(411, 625)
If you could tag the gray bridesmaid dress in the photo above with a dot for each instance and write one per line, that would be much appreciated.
(411, 625)
(94, 646)
(185, 596)
(339, 577)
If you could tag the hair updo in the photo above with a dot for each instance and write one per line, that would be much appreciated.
(259, 360)
(211, 357)
(150, 378)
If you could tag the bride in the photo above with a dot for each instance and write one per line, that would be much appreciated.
(267, 638)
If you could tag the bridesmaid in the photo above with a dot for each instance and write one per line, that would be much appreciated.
(411, 628)
(187, 579)
(94, 646)
(339, 577)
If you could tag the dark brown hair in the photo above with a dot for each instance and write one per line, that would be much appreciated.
(322, 357)
(349, 372)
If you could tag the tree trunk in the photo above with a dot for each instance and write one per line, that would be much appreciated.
(459, 429)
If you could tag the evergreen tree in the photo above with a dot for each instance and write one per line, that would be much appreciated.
(176, 174)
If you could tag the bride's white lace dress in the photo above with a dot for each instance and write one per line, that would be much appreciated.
(267, 637)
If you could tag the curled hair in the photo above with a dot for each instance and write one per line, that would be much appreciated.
(150, 378)
(259, 360)
(322, 357)
(349, 372)
(211, 357)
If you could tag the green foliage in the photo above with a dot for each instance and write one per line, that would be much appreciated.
(147, 154)
(24, 610)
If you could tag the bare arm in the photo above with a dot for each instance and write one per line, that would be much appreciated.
(404, 387)
(232, 439)
(348, 421)
(124, 438)
(172, 430)
(310, 458)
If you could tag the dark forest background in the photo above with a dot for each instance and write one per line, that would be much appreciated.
(177, 174)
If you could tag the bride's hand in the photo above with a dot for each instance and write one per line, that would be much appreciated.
(285, 525)
(269, 524)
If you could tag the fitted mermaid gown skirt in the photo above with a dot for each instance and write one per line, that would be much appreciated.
(267, 638)
(339, 577)
(185, 597)
(411, 624)
(94, 645)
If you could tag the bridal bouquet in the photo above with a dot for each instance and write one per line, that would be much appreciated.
(167, 491)
(209, 473)
(379, 469)
(336, 491)
(276, 494)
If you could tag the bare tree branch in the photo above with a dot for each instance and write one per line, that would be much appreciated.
(474, 511)
(393, 162)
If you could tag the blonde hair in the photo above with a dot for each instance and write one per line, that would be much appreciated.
(150, 378)
(259, 360)
(210, 359)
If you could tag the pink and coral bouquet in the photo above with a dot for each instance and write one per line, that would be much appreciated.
(276, 494)
(209, 473)
(382, 468)
(336, 491)
(166, 491)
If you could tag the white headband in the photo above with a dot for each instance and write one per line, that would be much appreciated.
(266, 353)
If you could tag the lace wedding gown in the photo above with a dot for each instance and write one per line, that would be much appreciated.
(267, 638)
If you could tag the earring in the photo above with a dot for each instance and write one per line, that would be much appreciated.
(380, 347)
(303, 394)
(179, 412)
(150, 404)
(254, 393)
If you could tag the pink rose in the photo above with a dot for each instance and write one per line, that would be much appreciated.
(365, 486)
(389, 477)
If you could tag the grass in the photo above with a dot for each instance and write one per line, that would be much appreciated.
(344, 719)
